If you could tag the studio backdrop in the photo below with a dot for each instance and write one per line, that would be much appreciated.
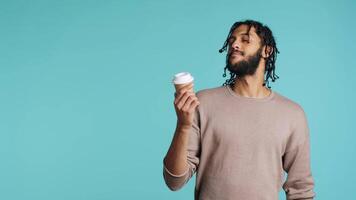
(86, 93)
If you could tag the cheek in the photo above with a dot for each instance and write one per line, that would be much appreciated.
(250, 52)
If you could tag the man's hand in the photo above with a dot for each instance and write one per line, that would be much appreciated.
(185, 103)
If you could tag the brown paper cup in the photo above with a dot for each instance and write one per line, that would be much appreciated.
(182, 79)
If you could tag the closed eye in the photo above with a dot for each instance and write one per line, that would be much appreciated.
(246, 39)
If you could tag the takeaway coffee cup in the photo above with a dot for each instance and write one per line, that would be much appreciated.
(181, 79)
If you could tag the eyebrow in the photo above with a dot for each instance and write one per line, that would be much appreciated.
(244, 33)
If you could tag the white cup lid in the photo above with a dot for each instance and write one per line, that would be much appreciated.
(182, 78)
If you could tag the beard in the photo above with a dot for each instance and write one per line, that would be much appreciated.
(244, 67)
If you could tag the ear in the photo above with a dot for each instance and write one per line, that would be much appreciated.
(267, 51)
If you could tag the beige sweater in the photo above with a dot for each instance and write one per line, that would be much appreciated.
(239, 148)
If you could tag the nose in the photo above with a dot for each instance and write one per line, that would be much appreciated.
(235, 45)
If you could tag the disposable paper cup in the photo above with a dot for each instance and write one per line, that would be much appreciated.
(181, 79)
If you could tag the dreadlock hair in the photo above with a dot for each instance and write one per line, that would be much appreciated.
(266, 39)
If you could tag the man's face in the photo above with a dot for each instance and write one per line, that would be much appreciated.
(244, 51)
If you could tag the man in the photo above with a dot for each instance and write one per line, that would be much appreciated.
(241, 137)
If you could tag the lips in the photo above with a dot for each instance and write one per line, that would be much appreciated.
(237, 53)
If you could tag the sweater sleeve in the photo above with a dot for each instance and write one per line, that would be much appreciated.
(296, 162)
(177, 181)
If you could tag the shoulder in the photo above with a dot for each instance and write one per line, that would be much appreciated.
(289, 106)
(210, 94)
(210, 98)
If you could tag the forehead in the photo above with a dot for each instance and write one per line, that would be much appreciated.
(242, 30)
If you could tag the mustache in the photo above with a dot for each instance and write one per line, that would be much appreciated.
(236, 51)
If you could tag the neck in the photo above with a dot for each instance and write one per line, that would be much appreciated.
(251, 86)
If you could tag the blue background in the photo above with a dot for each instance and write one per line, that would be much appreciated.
(86, 100)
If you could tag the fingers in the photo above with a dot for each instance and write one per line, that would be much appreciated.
(182, 100)
(185, 97)
(181, 93)
(188, 103)
(194, 105)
